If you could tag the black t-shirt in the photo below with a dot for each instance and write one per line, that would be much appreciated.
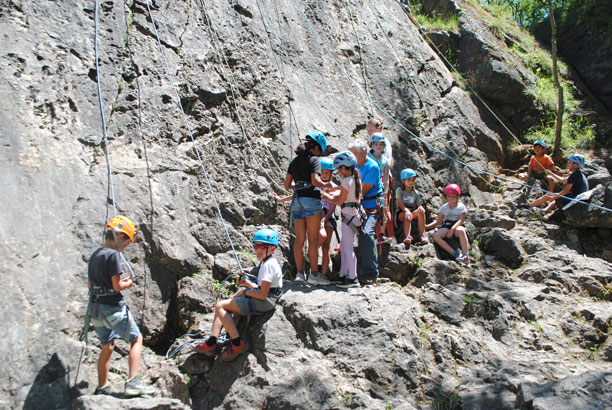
(579, 184)
(105, 263)
(301, 169)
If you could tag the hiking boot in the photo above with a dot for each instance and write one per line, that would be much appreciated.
(203, 347)
(424, 239)
(107, 389)
(317, 279)
(233, 352)
(349, 283)
(135, 387)
(299, 277)
(457, 254)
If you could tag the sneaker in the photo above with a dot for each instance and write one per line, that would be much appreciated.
(387, 240)
(317, 279)
(541, 211)
(424, 239)
(457, 254)
(521, 206)
(300, 277)
(107, 389)
(368, 280)
(135, 387)
(203, 347)
(349, 283)
(233, 352)
(408, 240)
(465, 258)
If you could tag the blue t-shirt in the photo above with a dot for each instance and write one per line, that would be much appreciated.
(370, 174)
(579, 184)
(104, 263)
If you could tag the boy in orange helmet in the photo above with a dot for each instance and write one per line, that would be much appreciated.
(110, 315)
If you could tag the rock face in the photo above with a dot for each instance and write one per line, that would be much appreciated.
(240, 69)
(587, 46)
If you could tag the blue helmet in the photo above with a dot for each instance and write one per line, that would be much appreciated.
(541, 144)
(346, 158)
(266, 235)
(377, 137)
(327, 163)
(319, 138)
(407, 173)
(577, 159)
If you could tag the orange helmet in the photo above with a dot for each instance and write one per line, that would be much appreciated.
(123, 225)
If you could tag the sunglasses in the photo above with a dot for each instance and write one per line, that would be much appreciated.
(260, 246)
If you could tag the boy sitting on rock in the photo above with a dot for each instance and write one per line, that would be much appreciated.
(575, 184)
(538, 165)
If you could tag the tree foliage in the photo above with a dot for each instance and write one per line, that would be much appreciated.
(531, 13)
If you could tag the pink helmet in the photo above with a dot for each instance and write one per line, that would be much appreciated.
(452, 189)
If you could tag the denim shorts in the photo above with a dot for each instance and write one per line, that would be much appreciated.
(304, 207)
(111, 322)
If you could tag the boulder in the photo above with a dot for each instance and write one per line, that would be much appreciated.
(585, 216)
(504, 246)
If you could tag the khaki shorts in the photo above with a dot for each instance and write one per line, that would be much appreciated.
(249, 305)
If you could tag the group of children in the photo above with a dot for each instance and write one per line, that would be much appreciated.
(313, 207)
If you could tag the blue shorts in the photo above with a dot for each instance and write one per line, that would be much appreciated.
(111, 322)
(304, 207)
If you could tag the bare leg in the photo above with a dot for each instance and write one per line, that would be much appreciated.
(542, 200)
(224, 318)
(298, 246)
(421, 218)
(313, 224)
(134, 356)
(325, 249)
(438, 239)
(104, 363)
(461, 233)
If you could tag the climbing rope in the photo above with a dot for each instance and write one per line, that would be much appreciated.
(269, 31)
(406, 10)
(362, 62)
(195, 147)
(477, 170)
(233, 89)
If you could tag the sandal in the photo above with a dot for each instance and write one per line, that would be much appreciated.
(408, 240)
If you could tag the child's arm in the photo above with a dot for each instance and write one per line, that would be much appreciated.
(385, 179)
(261, 293)
(556, 177)
(339, 200)
(120, 283)
(435, 223)
(288, 184)
(282, 198)
(400, 203)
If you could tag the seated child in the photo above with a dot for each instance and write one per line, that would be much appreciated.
(575, 184)
(409, 203)
(258, 297)
(110, 315)
(452, 215)
(538, 165)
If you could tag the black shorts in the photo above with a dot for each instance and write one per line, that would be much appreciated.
(561, 202)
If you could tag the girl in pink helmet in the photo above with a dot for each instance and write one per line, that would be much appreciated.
(451, 217)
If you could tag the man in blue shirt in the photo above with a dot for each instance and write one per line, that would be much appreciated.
(372, 189)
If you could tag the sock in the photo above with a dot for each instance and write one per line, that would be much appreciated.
(236, 341)
(211, 341)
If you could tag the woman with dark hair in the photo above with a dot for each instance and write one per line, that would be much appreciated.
(304, 176)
